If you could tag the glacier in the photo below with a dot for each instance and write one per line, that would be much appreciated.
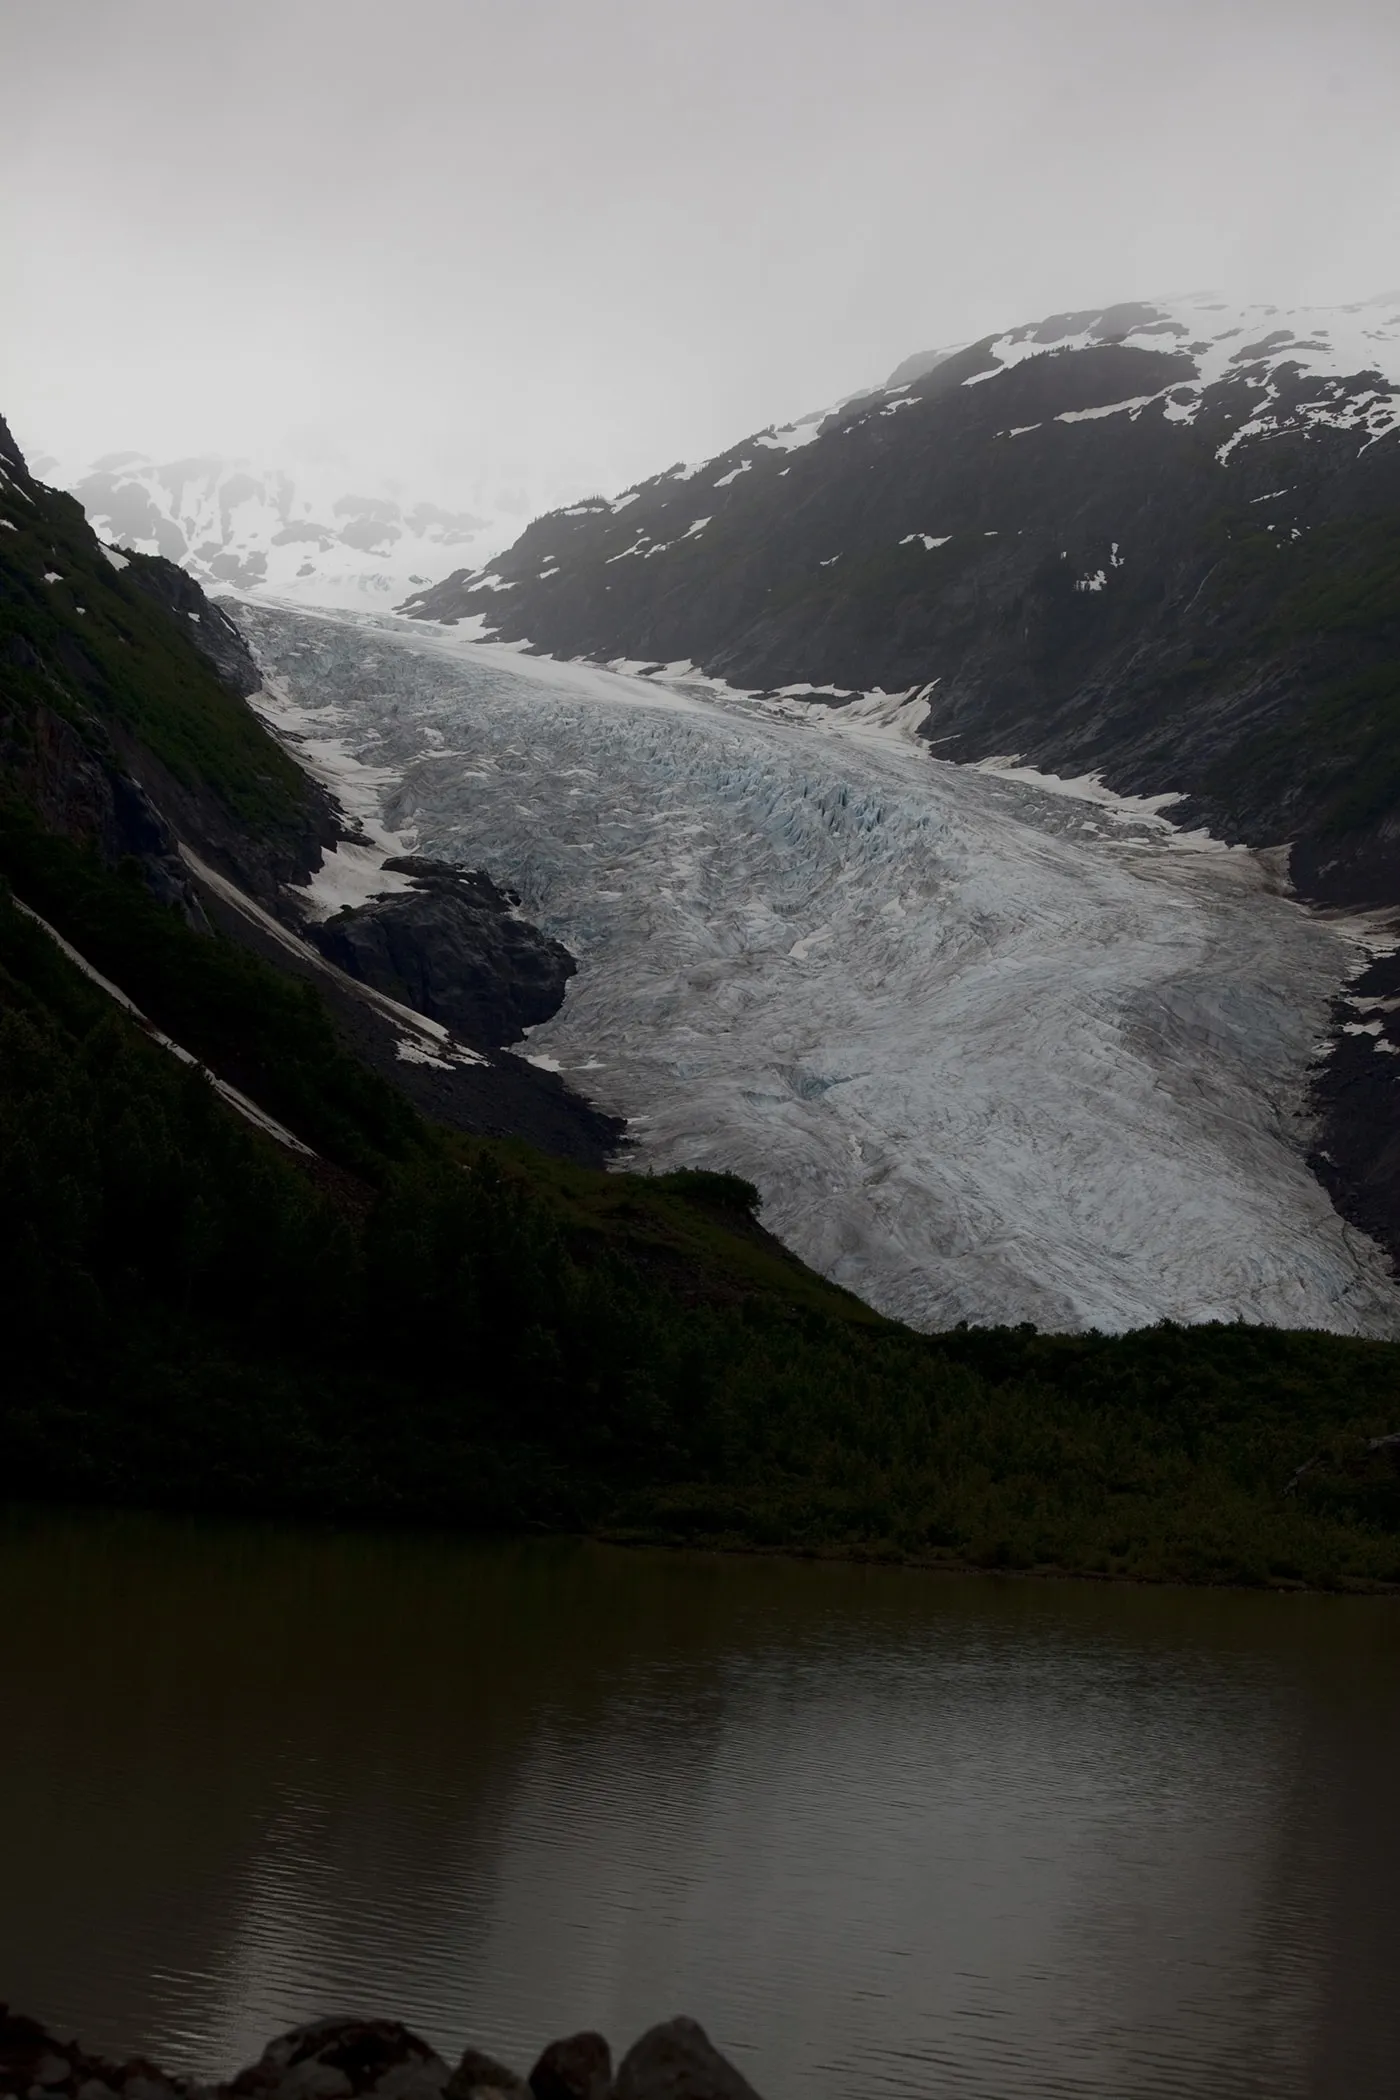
(993, 1048)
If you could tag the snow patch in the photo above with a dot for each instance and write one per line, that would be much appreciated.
(1259, 344)
(1132, 407)
(249, 1110)
(792, 436)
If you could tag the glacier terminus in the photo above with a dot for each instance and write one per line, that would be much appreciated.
(991, 1050)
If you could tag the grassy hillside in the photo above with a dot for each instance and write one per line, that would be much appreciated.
(93, 643)
(110, 676)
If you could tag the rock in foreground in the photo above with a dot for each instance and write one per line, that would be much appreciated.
(342, 2059)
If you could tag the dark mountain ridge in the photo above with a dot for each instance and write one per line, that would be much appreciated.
(1161, 543)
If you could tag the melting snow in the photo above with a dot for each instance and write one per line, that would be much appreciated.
(793, 435)
(249, 1110)
(118, 561)
(1110, 408)
(733, 475)
(1258, 342)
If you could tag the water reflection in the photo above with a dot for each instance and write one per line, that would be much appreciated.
(885, 1834)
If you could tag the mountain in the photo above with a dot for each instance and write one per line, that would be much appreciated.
(265, 530)
(249, 1267)
(1157, 541)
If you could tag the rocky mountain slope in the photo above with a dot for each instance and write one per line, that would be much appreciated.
(125, 733)
(257, 529)
(1158, 541)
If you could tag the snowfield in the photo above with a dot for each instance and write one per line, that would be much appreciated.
(991, 1049)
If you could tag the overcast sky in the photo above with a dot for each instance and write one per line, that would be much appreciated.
(566, 242)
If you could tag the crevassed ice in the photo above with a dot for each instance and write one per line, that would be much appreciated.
(989, 1052)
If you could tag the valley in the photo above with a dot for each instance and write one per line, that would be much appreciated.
(700, 1051)
(991, 1051)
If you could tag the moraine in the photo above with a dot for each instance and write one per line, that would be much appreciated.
(991, 1051)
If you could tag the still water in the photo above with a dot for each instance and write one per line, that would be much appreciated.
(884, 1833)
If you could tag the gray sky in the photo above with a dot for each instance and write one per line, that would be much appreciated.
(570, 241)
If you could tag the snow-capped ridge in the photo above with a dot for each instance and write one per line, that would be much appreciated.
(1221, 341)
(294, 536)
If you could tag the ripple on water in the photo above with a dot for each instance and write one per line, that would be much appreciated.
(884, 1834)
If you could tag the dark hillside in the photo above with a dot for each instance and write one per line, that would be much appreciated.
(115, 723)
(124, 729)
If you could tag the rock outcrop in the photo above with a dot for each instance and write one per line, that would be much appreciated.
(212, 631)
(452, 947)
(353, 2059)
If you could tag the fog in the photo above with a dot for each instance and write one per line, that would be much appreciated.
(562, 243)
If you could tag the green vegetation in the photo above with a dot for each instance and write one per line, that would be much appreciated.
(94, 645)
(267, 1034)
(424, 1326)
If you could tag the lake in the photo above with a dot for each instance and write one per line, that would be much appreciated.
(884, 1833)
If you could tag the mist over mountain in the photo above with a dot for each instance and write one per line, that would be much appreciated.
(297, 535)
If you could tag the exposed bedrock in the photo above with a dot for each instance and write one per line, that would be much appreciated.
(452, 948)
(345, 2058)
